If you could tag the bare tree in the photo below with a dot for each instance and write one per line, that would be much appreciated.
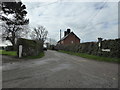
(10, 32)
(39, 33)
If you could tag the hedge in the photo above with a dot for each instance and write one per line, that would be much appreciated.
(30, 47)
(93, 49)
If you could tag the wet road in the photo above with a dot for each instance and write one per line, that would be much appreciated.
(59, 70)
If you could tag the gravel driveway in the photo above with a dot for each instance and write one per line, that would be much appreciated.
(59, 70)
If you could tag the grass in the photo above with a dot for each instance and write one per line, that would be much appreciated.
(9, 53)
(14, 53)
(35, 57)
(99, 58)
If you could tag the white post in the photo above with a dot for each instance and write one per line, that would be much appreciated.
(99, 45)
(20, 51)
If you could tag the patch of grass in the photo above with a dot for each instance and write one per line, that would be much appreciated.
(84, 55)
(9, 53)
(14, 53)
(35, 57)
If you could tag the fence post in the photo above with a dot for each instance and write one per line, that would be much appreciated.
(99, 45)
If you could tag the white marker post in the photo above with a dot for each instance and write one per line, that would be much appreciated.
(20, 51)
(99, 45)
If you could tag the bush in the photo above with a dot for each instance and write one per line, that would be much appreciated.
(93, 49)
(9, 48)
(30, 47)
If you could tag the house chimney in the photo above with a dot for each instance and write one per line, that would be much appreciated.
(68, 31)
(65, 33)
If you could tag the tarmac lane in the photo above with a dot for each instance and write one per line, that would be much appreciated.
(59, 70)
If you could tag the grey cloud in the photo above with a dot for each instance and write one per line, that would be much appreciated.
(82, 17)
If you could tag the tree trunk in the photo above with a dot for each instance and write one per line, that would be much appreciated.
(12, 39)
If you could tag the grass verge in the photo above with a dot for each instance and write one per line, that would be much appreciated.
(99, 58)
(14, 53)
(9, 53)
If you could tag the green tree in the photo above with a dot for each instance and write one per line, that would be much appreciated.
(13, 17)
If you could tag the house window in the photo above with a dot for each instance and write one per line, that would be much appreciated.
(71, 41)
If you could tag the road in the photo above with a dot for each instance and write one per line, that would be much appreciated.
(59, 70)
(0, 72)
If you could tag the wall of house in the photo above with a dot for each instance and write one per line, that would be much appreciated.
(71, 39)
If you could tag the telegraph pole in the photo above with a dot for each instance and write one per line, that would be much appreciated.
(50, 41)
(60, 36)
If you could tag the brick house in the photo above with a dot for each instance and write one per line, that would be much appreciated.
(69, 38)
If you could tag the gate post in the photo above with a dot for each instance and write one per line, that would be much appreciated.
(20, 51)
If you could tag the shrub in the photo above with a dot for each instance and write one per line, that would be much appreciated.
(30, 47)
(93, 49)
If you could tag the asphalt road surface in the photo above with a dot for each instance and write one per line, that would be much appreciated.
(59, 70)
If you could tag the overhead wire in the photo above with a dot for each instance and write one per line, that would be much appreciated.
(93, 17)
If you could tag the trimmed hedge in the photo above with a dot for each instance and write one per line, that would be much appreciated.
(9, 48)
(30, 47)
(93, 49)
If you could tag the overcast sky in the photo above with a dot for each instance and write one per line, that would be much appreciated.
(88, 20)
